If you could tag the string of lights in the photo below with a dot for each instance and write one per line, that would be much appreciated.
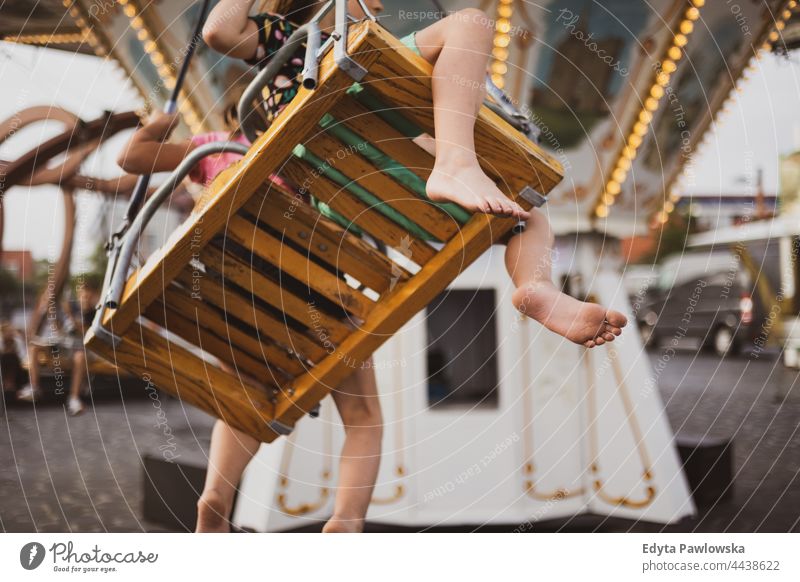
(771, 36)
(651, 103)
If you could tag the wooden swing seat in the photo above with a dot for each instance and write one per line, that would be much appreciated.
(259, 305)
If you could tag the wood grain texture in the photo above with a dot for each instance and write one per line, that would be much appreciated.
(270, 249)
(234, 269)
(252, 343)
(374, 223)
(172, 368)
(359, 170)
(264, 158)
(197, 333)
(247, 311)
(326, 240)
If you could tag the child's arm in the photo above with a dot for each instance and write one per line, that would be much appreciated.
(229, 31)
(146, 152)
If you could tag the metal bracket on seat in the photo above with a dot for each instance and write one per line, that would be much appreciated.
(343, 61)
(532, 196)
(101, 332)
(279, 427)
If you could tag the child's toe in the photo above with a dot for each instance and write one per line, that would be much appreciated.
(616, 319)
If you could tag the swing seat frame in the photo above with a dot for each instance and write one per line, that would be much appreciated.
(258, 306)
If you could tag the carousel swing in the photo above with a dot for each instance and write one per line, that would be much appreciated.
(257, 284)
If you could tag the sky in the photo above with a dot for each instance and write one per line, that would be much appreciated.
(763, 123)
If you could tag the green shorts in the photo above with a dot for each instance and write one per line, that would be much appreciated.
(410, 41)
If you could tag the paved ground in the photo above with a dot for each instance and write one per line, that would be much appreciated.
(54, 477)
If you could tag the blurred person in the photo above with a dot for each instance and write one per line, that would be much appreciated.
(78, 317)
(12, 351)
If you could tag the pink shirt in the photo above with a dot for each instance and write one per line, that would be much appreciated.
(207, 169)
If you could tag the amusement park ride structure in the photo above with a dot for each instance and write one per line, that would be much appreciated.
(571, 431)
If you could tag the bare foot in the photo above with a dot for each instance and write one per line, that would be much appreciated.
(463, 182)
(212, 515)
(340, 525)
(587, 324)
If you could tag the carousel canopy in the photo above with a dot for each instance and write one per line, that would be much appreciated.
(623, 91)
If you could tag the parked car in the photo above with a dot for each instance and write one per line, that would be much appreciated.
(708, 296)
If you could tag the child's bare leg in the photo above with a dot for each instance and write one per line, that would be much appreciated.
(458, 46)
(357, 401)
(528, 260)
(230, 452)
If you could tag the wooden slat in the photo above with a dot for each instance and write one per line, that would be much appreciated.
(262, 350)
(196, 333)
(370, 221)
(326, 239)
(178, 371)
(265, 157)
(234, 269)
(295, 264)
(424, 213)
(386, 138)
(247, 311)
(397, 308)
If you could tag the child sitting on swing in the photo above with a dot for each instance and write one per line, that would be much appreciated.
(458, 47)
(356, 397)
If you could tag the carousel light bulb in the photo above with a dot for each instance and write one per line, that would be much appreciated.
(624, 163)
(680, 40)
(639, 129)
(601, 211)
(686, 26)
(645, 116)
(634, 141)
(613, 188)
(669, 66)
(608, 199)
(674, 53)
(699, 3)
(619, 175)
(499, 68)
(651, 104)
(692, 13)
(656, 91)
(500, 53)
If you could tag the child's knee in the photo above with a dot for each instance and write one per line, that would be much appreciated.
(363, 413)
(476, 20)
(538, 222)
